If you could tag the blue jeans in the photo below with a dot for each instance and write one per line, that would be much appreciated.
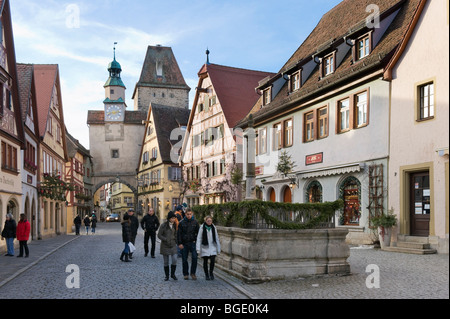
(189, 247)
(126, 250)
(10, 245)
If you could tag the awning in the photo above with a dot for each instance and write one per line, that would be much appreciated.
(331, 171)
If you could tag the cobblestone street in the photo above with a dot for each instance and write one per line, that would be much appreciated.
(104, 276)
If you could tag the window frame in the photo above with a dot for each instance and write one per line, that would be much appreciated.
(267, 96)
(295, 78)
(356, 111)
(262, 141)
(309, 126)
(356, 50)
(277, 136)
(419, 101)
(328, 57)
(348, 117)
(326, 120)
(288, 132)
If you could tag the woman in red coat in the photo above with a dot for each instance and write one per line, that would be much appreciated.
(23, 233)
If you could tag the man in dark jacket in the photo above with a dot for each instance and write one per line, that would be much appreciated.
(150, 224)
(134, 224)
(187, 237)
(77, 223)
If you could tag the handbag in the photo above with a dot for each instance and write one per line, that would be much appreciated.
(132, 248)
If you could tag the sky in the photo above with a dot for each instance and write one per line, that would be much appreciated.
(79, 36)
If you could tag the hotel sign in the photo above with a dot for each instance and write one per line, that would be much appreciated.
(314, 158)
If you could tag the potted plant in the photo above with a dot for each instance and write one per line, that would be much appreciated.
(384, 224)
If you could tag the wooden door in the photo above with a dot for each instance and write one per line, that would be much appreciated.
(287, 196)
(420, 204)
(272, 195)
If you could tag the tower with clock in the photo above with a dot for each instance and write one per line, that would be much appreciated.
(114, 93)
(115, 134)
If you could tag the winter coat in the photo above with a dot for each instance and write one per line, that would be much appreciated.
(188, 230)
(206, 245)
(150, 223)
(94, 222)
(134, 224)
(9, 231)
(168, 238)
(87, 221)
(126, 231)
(23, 230)
(77, 220)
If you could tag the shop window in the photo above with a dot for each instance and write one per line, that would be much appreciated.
(314, 192)
(350, 193)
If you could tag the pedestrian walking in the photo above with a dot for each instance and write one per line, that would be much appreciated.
(208, 246)
(134, 224)
(187, 237)
(23, 234)
(77, 223)
(87, 223)
(150, 224)
(179, 214)
(93, 223)
(126, 237)
(168, 248)
(9, 233)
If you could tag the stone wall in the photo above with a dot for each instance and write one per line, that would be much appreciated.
(165, 96)
(258, 255)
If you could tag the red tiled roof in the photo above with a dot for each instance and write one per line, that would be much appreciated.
(45, 77)
(235, 89)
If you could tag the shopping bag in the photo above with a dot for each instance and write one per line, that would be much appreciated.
(132, 248)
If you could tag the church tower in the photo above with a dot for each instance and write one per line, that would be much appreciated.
(161, 81)
(114, 102)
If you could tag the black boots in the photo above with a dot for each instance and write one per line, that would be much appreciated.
(166, 271)
(209, 273)
(126, 257)
(172, 272)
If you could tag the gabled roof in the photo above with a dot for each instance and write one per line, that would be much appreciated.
(74, 146)
(45, 80)
(25, 77)
(235, 89)
(171, 74)
(46, 77)
(166, 119)
(339, 22)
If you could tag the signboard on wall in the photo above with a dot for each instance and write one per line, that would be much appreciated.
(314, 158)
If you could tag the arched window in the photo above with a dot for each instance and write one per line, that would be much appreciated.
(350, 193)
(313, 192)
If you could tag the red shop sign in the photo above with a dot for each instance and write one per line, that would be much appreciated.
(314, 158)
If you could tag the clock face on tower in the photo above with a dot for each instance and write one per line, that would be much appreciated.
(114, 112)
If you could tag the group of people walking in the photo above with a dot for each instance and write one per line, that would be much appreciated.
(180, 236)
(21, 231)
(88, 222)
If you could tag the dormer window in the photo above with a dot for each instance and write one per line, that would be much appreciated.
(295, 81)
(267, 96)
(363, 47)
(328, 64)
(159, 68)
